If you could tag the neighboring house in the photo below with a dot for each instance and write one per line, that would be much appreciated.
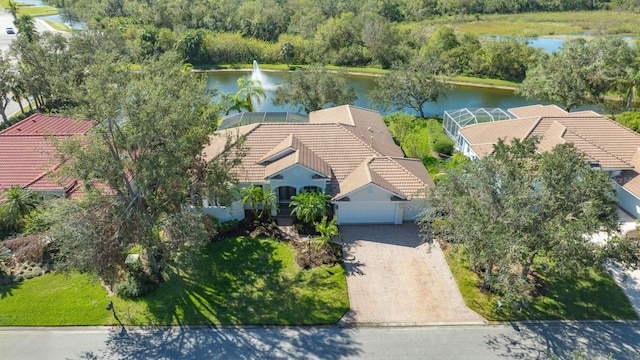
(346, 152)
(607, 145)
(27, 154)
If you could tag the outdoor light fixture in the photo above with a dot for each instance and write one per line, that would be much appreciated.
(110, 307)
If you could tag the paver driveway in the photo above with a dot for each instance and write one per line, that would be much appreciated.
(392, 279)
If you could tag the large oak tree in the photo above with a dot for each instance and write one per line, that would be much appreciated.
(517, 205)
(411, 85)
(314, 88)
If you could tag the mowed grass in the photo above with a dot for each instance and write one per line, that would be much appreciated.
(235, 281)
(54, 300)
(28, 9)
(58, 26)
(594, 296)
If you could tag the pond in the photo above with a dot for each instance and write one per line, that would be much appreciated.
(456, 98)
(551, 44)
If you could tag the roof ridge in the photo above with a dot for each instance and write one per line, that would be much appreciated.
(366, 163)
(43, 174)
(535, 124)
(376, 152)
(45, 134)
(389, 186)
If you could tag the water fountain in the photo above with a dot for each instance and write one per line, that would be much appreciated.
(257, 74)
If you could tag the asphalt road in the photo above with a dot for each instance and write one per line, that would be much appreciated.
(6, 20)
(534, 340)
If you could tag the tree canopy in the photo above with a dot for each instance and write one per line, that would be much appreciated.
(410, 85)
(517, 206)
(314, 88)
(582, 72)
(137, 167)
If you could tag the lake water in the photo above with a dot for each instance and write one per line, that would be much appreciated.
(456, 98)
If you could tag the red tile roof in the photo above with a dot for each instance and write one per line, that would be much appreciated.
(55, 125)
(27, 152)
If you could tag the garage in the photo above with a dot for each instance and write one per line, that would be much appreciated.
(370, 212)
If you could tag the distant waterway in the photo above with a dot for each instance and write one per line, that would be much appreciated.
(550, 44)
(456, 98)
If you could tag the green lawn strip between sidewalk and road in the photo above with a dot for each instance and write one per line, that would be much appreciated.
(235, 281)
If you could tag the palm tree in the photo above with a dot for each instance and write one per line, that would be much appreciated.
(327, 230)
(26, 27)
(309, 206)
(630, 85)
(286, 51)
(249, 90)
(17, 204)
(17, 90)
(13, 9)
(269, 203)
(252, 195)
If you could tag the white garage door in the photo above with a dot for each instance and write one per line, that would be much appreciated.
(366, 212)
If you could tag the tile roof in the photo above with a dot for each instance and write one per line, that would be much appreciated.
(54, 125)
(537, 110)
(329, 144)
(365, 124)
(27, 152)
(601, 139)
(482, 136)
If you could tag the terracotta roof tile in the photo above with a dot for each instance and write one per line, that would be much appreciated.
(599, 138)
(537, 110)
(27, 152)
(489, 133)
(630, 180)
(366, 125)
(41, 124)
(327, 147)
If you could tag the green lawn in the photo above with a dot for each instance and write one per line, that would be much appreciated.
(592, 297)
(58, 26)
(236, 281)
(476, 81)
(28, 9)
(535, 24)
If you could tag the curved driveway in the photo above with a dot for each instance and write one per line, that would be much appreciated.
(393, 279)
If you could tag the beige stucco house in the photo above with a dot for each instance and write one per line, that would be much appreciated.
(346, 152)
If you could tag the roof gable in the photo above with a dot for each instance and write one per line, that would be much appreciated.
(27, 152)
(330, 149)
(599, 138)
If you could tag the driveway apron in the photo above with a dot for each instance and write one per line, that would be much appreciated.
(393, 279)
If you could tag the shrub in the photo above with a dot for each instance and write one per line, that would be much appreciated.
(630, 119)
(130, 287)
(225, 227)
(443, 147)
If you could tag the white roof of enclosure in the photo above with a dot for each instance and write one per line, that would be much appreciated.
(246, 118)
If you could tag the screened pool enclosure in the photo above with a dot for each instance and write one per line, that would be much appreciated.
(454, 120)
